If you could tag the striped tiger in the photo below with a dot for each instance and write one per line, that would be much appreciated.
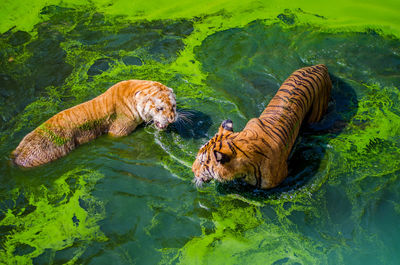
(258, 154)
(118, 111)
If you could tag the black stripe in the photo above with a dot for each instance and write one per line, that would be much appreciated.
(302, 97)
(219, 137)
(262, 127)
(280, 137)
(277, 96)
(285, 90)
(212, 171)
(243, 140)
(297, 103)
(208, 158)
(287, 119)
(276, 127)
(257, 174)
(208, 170)
(307, 75)
(273, 116)
(260, 153)
(266, 143)
(305, 86)
(240, 149)
(296, 89)
(316, 74)
(260, 176)
(231, 147)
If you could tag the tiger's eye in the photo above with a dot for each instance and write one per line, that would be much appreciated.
(160, 108)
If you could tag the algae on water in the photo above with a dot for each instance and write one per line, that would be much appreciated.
(53, 218)
(339, 204)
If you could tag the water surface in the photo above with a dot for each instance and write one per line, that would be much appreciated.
(131, 200)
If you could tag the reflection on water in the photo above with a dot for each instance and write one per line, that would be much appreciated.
(130, 200)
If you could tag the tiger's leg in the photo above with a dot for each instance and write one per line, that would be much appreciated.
(37, 149)
(277, 168)
(122, 126)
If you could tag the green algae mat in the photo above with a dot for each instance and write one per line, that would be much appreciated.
(131, 200)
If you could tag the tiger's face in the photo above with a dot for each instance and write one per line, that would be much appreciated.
(157, 105)
(219, 158)
(163, 109)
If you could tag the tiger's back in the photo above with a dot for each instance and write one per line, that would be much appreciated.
(259, 153)
(304, 95)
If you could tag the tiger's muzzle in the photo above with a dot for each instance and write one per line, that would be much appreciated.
(199, 180)
(160, 126)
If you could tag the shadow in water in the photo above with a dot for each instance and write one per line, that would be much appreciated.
(191, 124)
(310, 146)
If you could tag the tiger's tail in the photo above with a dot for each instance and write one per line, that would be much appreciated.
(321, 99)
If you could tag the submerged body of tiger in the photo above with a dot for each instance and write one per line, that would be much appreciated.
(118, 111)
(259, 153)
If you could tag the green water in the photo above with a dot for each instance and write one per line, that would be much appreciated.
(131, 200)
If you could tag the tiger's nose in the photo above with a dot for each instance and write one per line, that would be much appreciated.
(206, 179)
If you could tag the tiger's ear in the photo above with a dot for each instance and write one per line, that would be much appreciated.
(221, 157)
(227, 125)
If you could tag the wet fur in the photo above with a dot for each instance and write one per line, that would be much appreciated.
(259, 153)
(118, 111)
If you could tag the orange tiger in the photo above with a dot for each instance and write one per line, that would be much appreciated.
(118, 111)
(258, 154)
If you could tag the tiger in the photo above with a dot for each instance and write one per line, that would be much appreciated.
(259, 153)
(117, 112)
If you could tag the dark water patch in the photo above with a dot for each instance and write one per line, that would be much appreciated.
(5, 230)
(29, 65)
(171, 231)
(240, 63)
(17, 206)
(46, 257)
(287, 17)
(99, 66)
(191, 124)
(65, 255)
(132, 60)
(163, 48)
(161, 39)
(338, 206)
(23, 249)
(48, 57)
(19, 38)
(281, 261)
(8, 92)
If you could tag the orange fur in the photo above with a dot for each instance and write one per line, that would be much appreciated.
(118, 111)
(259, 152)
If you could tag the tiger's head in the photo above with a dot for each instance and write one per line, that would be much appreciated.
(221, 158)
(157, 104)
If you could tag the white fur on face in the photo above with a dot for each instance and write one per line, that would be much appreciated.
(159, 106)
